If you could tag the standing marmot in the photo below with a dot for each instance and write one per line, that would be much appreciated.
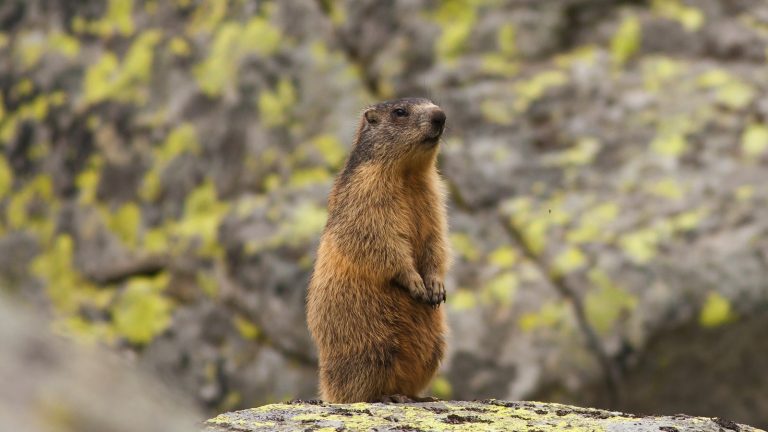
(373, 301)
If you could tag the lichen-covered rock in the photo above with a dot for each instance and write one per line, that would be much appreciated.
(489, 415)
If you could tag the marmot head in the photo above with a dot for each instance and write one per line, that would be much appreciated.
(413, 120)
(402, 130)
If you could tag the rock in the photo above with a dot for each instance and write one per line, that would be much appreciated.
(51, 384)
(488, 415)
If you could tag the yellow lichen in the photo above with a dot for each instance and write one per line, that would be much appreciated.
(64, 44)
(626, 41)
(203, 212)
(141, 311)
(456, 17)
(582, 153)
(667, 188)
(689, 17)
(504, 256)
(531, 89)
(569, 260)
(331, 148)
(500, 290)
(592, 226)
(310, 176)
(124, 223)
(640, 245)
(65, 286)
(108, 79)
(669, 145)
(208, 15)
(716, 311)
(606, 302)
(6, 177)
(42, 224)
(659, 71)
(735, 94)
(464, 246)
(275, 106)
(231, 42)
(247, 329)
(754, 140)
(462, 299)
(550, 315)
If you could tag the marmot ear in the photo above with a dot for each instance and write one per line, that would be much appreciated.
(371, 116)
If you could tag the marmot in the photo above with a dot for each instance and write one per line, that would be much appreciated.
(373, 299)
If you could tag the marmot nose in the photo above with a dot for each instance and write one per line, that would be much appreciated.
(437, 117)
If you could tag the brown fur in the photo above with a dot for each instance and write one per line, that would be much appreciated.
(373, 301)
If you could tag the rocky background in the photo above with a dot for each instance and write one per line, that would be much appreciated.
(164, 167)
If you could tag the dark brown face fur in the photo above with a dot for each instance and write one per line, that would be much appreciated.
(397, 131)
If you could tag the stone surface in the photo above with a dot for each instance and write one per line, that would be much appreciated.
(51, 384)
(489, 415)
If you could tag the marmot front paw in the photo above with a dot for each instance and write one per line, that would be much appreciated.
(435, 290)
(415, 286)
(429, 290)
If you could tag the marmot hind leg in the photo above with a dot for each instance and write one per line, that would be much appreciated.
(355, 379)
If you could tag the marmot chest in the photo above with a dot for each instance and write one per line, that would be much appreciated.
(421, 207)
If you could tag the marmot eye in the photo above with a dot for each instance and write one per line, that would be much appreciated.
(400, 112)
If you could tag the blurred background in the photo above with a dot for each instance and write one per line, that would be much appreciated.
(164, 167)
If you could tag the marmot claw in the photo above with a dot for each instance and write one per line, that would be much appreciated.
(435, 291)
